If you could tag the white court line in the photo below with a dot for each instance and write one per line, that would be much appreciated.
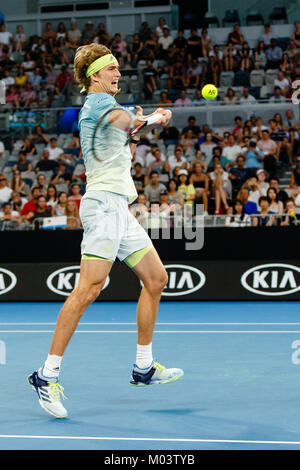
(158, 323)
(163, 331)
(150, 439)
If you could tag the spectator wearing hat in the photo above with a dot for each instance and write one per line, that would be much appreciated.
(263, 185)
(152, 190)
(159, 28)
(187, 189)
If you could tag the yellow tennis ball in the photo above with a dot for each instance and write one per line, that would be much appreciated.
(209, 92)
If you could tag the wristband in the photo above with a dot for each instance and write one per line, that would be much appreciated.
(134, 141)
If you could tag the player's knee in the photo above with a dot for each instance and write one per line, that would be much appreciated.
(89, 293)
(157, 284)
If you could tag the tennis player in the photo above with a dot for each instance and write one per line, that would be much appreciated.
(110, 231)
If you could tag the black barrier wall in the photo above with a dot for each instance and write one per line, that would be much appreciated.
(209, 280)
(234, 264)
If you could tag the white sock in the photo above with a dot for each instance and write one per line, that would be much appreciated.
(51, 367)
(144, 356)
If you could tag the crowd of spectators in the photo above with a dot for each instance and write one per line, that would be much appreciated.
(234, 174)
(171, 63)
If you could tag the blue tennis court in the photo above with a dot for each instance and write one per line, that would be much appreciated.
(240, 389)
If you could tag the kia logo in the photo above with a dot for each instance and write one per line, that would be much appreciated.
(7, 281)
(183, 280)
(64, 280)
(272, 279)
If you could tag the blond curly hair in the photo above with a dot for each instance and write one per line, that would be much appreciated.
(84, 57)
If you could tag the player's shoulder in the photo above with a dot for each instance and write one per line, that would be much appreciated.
(95, 104)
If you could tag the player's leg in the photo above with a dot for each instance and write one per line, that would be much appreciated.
(152, 273)
(93, 273)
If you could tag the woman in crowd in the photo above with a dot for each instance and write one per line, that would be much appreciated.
(51, 195)
(21, 77)
(39, 136)
(229, 56)
(175, 196)
(200, 182)
(199, 158)
(260, 56)
(220, 182)
(28, 147)
(275, 206)
(208, 146)
(246, 57)
(60, 207)
(17, 184)
(239, 218)
(187, 189)
(230, 97)
(75, 194)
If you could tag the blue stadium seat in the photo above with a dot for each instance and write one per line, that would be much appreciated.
(231, 17)
(278, 15)
(242, 78)
(254, 18)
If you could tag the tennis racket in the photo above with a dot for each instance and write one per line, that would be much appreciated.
(115, 129)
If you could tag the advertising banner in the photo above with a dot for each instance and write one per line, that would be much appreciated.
(187, 280)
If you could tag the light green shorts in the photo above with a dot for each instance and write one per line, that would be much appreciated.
(110, 231)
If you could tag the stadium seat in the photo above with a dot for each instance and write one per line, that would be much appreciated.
(163, 82)
(257, 78)
(266, 91)
(135, 84)
(211, 20)
(231, 17)
(124, 84)
(270, 76)
(222, 92)
(254, 18)
(226, 79)
(241, 78)
(278, 15)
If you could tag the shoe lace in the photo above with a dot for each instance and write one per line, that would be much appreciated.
(56, 390)
(158, 366)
